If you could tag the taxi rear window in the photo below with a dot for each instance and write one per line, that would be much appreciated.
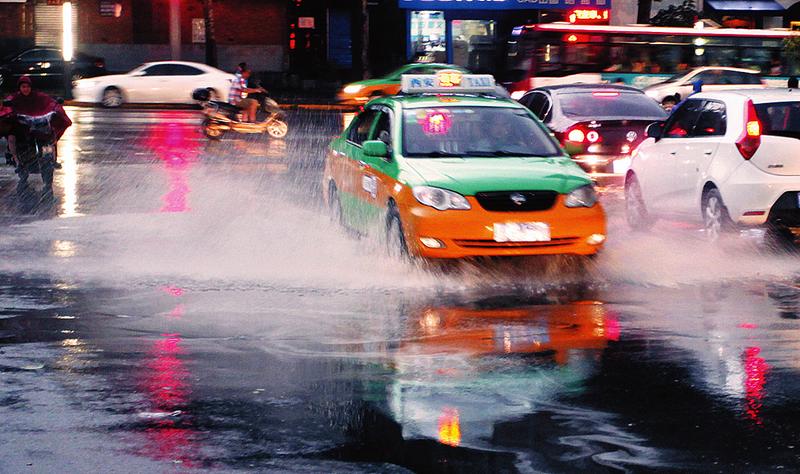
(595, 104)
(474, 131)
(780, 118)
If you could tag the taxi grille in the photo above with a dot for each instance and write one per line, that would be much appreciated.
(516, 201)
(491, 244)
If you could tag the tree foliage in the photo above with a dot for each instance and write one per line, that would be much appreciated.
(684, 14)
(791, 45)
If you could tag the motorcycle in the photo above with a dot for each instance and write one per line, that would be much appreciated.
(221, 117)
(36, 149)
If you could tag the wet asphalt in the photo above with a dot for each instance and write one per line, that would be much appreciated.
(183, 305)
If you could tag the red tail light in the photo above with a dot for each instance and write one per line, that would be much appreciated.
(578, 134)
(750, 139)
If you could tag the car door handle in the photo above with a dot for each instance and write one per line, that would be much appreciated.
(708, 152)
(673, 153)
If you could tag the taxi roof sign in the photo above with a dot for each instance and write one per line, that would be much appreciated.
(448, 81)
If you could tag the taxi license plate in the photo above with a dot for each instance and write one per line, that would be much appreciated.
(521, 232)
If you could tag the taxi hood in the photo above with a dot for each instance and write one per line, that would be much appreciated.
(468, 176)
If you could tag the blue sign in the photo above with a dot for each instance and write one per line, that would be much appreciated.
(502, 4)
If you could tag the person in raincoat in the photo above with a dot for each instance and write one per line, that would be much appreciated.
(27, 101)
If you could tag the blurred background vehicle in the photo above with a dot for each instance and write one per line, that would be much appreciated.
(45, 66)
(361, 92)
(638, 55)
(165, 82)
(598, 125)
(680, 86)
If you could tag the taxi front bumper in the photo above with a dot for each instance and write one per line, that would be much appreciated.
(470, 233)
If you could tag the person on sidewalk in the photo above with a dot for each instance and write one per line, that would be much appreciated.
(238, 95)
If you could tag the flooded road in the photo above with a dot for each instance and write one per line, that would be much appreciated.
(184, 305)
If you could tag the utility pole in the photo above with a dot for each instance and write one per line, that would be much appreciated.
(211, 39)
(175, 29)
(643, 15)
(365, 40)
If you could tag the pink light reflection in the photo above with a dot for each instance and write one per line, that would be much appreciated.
(755, 369)
(164, 382)
(178, 148)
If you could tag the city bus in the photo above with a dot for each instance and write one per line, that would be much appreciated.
(555, 53)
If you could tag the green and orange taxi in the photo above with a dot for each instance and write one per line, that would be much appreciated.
(448, 170)
(361, 92)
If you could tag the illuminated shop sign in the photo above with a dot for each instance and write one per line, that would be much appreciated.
(503, 4)
(588, 16)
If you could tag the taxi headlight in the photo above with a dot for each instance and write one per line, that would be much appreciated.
(439, 198)
(581, 197)
(352, 88)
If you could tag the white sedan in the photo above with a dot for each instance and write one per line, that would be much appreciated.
(167, 82)
(680, 86)
(726, 159)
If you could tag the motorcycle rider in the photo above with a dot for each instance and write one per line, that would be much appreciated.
(238, 94)
(27, 101)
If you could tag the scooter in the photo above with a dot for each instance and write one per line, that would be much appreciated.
(221, 117)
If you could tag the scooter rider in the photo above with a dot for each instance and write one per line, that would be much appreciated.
(238, 95)
(30, 102)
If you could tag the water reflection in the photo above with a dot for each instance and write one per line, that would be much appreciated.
(68, 174)
(462, 369)
(164, 380)
(177, 146)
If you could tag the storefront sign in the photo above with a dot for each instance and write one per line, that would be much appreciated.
(502, 4)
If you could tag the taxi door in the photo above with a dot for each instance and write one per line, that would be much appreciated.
(350, 182)
(378, 174)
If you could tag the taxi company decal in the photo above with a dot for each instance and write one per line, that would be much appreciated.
(447, 82)
(370, 185)
(500, 4)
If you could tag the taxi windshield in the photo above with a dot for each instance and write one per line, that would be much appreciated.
(440, 132)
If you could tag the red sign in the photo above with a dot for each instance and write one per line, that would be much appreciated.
(589, 15)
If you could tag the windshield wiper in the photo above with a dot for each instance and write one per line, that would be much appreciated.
(441, 154)
(499, 153)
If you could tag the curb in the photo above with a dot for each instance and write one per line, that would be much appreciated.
(285, 106)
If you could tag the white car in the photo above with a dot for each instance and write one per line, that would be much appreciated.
(680, 86)
(726, 159)
(166, 82)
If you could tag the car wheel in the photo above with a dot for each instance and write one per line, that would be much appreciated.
(112, 97)
(334, 204)
(716, 219)
(635, 210)
(395, 238)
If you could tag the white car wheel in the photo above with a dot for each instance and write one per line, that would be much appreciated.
(112, 97)
(715, 215)
(635, 210)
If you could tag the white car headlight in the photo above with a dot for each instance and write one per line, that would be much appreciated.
(581, 197)
(439, 198)
(352, 88)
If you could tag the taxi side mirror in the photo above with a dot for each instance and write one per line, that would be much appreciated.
(655, 130)
(376, 148)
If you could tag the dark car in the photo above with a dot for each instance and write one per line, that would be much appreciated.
(599, 125)
(45, 66)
